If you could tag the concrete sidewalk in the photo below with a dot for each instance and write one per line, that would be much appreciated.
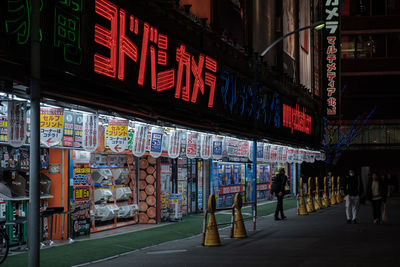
(322, 238)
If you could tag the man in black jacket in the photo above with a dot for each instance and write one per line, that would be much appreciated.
(279, 188)
(353, 190)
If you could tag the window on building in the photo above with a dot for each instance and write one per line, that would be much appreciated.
(378, 7)
(394, 45)
(393, 7)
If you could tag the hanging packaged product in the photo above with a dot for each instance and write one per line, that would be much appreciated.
(116, 135)
(156, 141)
(191, 145)
(51, 125)
(90, 132)
(217, 145)
(174, 144)
(205, 146)
(16, 127)
(139, 140)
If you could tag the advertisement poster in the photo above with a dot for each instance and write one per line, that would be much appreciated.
(174, 145)
(230, 179)
(139, 140)
(217, 144)
(205, 146)
(116, 135)
(263, 180)
(16, 128)
(80, 213)
(78, 130)
(267, 152)
(289, 26)
(68, 129)
(156, 141)
(274, 154)
(191, 147)
(90, 132)
(260, 152)
(232, 146)
(51, 126)
(243, 149)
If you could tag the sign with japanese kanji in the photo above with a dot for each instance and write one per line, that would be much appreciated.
(174, 145)
(217, 145)
(51, 126)
(116, 135)
(205, 146)
(90, 132)
(232, 146)
(78, 130)
(139, 140)
(267, 152)
(331, 48)
(285, 154)
(191, 145)
(68, 129)
(260, 152)
(156, 141)
(243, 149)
(274, 153)
(16, 128)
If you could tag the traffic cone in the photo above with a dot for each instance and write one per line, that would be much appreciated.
(317, 204)
(239, 231)
(212, 236)
(302, 210)
(338, 195)
(325, 201)
(310, 205)
(333, 196)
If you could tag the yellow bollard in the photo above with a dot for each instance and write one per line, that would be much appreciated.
(239, 230)
(325, 200)
(310, 204)
(212, 235)
(333, 196)
(317, 203)
(338, 195)
(302, 204)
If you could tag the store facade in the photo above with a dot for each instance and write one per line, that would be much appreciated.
(141, 118)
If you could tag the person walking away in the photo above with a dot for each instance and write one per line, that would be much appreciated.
(353, 190)
(376, 194)
(279, 188)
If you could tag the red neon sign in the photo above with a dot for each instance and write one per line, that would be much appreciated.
(295, 119)
(155, 44)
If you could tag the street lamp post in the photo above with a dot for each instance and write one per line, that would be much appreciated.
(316, 26)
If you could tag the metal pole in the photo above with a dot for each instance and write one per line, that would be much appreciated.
(34, 170)
(254, 181)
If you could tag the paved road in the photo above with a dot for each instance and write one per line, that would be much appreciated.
(320, 239)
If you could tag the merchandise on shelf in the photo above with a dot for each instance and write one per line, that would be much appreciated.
(102, 195)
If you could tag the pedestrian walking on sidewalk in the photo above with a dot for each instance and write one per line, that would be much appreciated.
(377, 194)
(353, 191)
(278, 187)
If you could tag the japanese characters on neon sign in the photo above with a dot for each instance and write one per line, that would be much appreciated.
(331, 46)
(238, 97)
(154, 48)
(296, 119)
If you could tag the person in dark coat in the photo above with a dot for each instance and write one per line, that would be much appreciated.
(353, 191)
(376, 193)
(279, 189)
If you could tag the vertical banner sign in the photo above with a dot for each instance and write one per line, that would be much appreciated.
(267, 152)
(116, 135)
(274, 153)
(331, 49)
(232, 146)
(68, 129)
(280, 154)
(16, 127)
(51, 125)
(260, 152)
(3, 122)
(285, 154)
(182, 152)
(191, 145)
(243, 149)
(217, 144)
(174, 145)
(90, 132)
(78, 128)
(156, 141)
(205, 146)
(139, 140)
